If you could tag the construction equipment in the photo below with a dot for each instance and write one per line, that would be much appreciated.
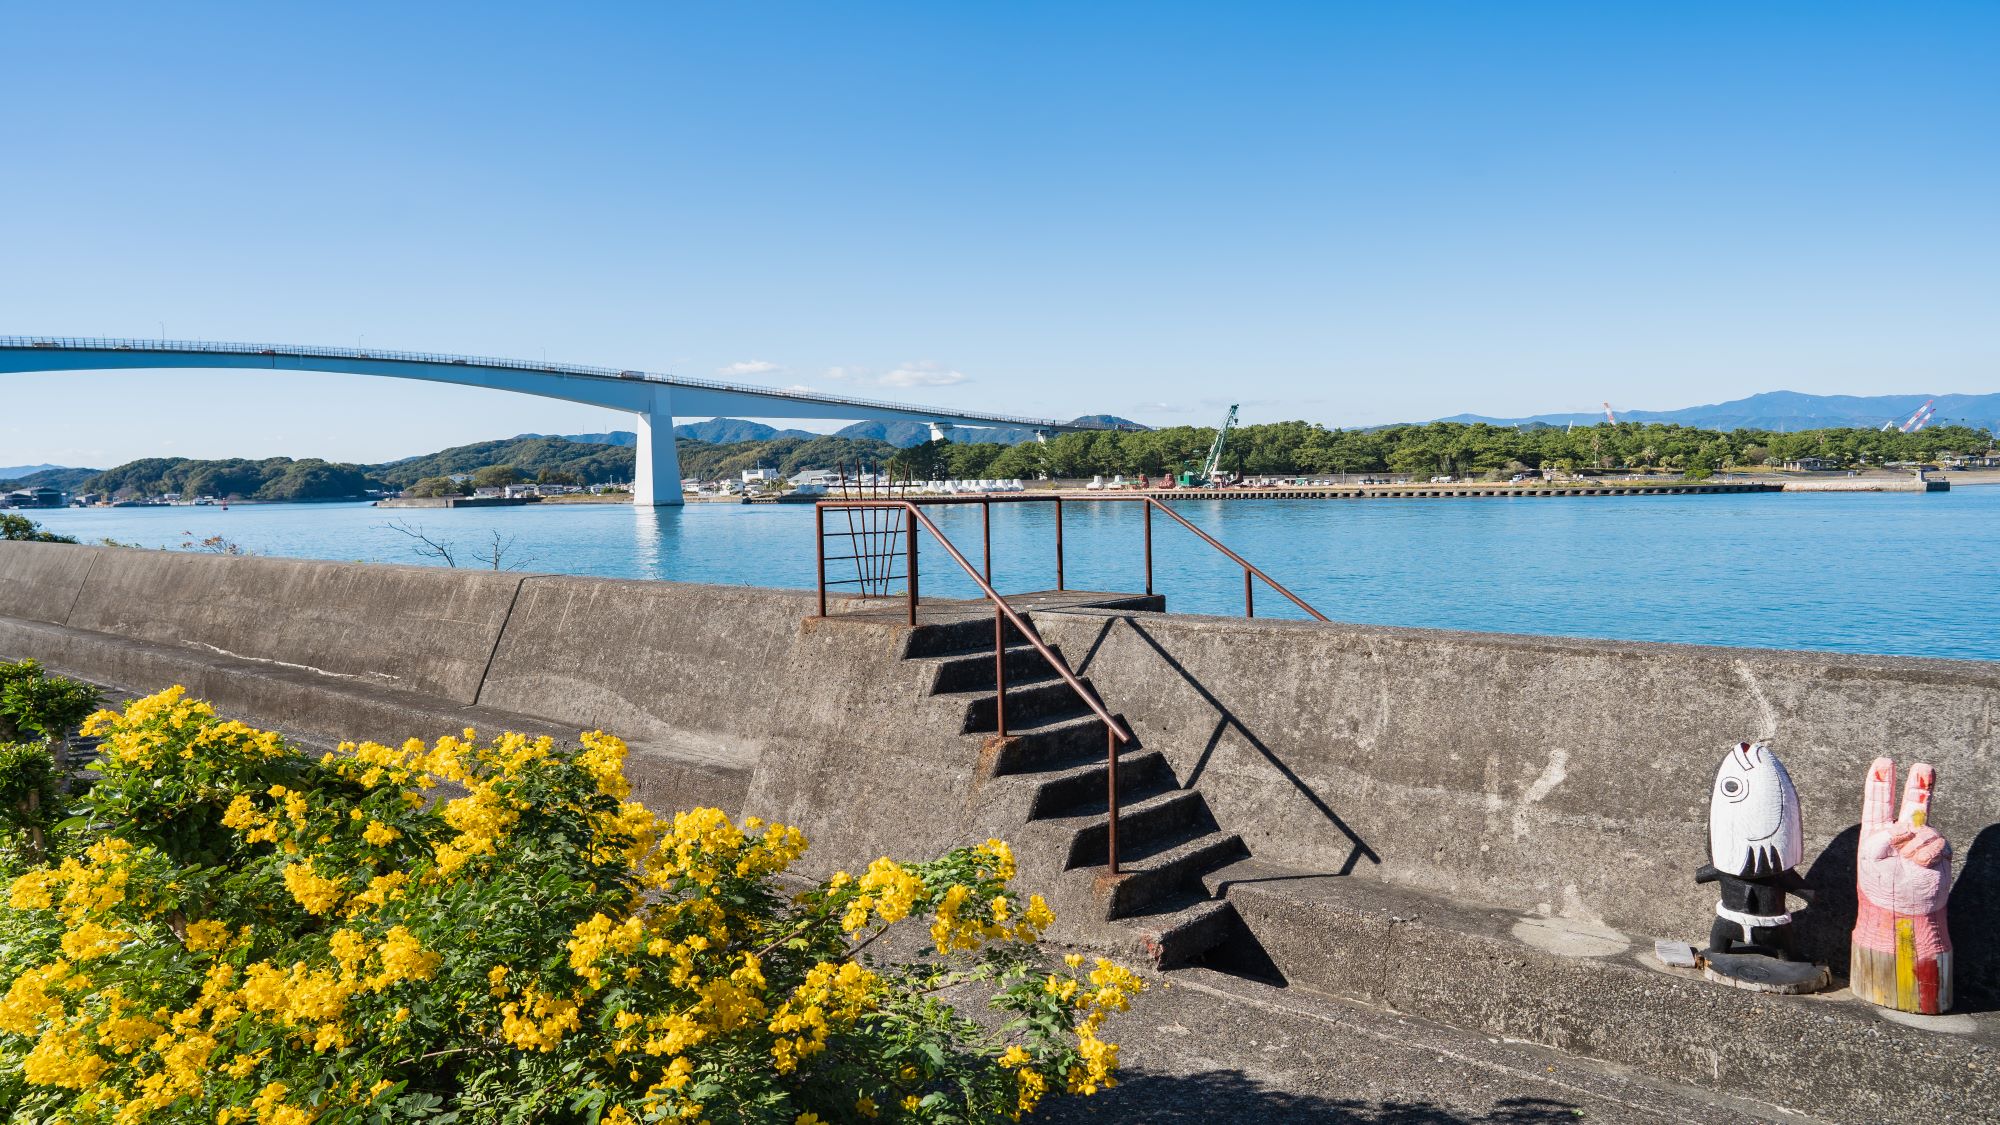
(1211, 469)
(1609, 416)
(1918, 420)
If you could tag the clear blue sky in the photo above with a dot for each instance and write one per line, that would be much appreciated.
(1347, 213)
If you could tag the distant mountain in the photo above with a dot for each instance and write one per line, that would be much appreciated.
(906, 434)
(51, 476)
(715, 431)
(725, 431)
(1787, 411)
(615, 437)
(10, 472)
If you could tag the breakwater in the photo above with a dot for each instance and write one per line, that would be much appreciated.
(1486, 830)
(1440, 491)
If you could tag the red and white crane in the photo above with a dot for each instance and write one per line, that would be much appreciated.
(1916, 421)
(1609, 416)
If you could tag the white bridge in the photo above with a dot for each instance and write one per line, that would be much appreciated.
(652, 399)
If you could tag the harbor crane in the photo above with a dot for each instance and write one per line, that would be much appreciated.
(1211, 469)
(1609, 416)
(1916, 421)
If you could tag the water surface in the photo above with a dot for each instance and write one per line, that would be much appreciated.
(1913, 574)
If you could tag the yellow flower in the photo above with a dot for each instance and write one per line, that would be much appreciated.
(205, 935)
(317, 893)
(91, 940)
(403, 958)
(380, 834)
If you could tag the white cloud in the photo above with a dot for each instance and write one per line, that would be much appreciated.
(918, 373)
(749, 367)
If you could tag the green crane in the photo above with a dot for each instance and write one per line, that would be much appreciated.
(1211, 468)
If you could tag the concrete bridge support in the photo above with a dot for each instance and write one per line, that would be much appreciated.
(656, 473)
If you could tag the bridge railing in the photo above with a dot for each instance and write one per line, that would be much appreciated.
(215, 347)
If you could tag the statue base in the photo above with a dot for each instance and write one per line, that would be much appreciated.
(1758, 973)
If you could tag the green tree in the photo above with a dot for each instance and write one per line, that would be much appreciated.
(496, 476)
(21, 529)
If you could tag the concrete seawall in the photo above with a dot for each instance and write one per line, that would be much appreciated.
(1546, 775)
(1481, 829)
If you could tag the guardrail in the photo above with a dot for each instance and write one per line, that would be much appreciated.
(214, 347)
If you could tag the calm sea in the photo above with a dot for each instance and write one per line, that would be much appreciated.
(1914, 574)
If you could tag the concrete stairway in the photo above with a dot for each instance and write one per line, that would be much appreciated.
(1168, 840)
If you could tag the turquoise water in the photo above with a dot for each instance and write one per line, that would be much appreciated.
(1908, 574)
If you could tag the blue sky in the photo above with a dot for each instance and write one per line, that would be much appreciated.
(1350, 213)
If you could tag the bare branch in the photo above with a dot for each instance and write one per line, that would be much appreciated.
(425, 546)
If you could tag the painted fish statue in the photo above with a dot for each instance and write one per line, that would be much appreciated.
(1901, 949)
(1755, 839)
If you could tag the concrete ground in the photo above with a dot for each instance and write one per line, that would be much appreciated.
(1208, 1047)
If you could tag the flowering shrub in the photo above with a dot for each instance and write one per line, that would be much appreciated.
(488, 931)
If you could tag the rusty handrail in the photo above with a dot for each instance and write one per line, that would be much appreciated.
(1115, 731)
(1249, 568)
(1151, 502)
(1000, 603)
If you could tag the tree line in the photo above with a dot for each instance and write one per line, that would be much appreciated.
(1274, 449)
(1285, 448)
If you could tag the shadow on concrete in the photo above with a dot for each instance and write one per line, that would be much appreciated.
(1974, 910)
(1230, 1095)
(1820, 932)
(1226, 721)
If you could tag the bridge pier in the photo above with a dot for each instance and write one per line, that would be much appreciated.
(656, 471)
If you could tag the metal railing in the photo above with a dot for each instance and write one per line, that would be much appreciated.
(873, 580)
(1251, 572)
(306, 351)
(1003, 615)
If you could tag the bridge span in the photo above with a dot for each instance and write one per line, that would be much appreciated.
(652, 399)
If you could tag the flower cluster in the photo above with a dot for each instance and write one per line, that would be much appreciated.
(237, 934)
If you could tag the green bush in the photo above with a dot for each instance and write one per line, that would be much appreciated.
(32, 701)
(236, 933)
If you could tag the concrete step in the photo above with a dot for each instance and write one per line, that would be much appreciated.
(1081, 786)
(973, 671)
(956, 638)
(1142, 820)
(1028, 702)
(1052, 741)
(1148, 879)
(1185, 931)
(1578, 987)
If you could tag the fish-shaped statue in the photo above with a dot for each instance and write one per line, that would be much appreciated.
(1755, 839)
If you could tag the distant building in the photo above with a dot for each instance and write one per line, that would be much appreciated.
(753, 476)
(40, 497)
(1813, 465)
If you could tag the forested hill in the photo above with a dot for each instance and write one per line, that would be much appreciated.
(1277, 448)
(591, 462)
